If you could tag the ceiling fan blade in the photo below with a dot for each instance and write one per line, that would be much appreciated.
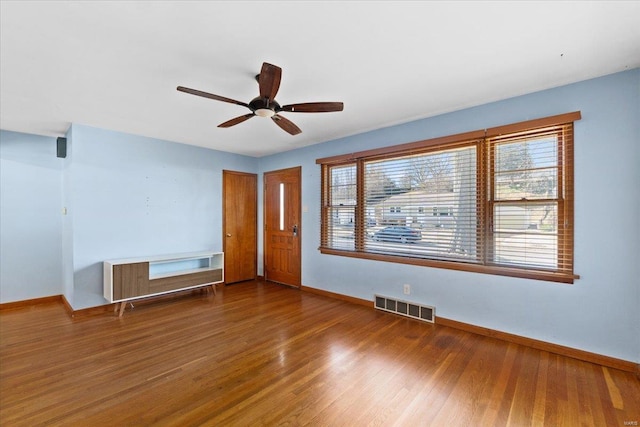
(211, 96)
(286, 125)
(314, 107)
(269, 80)
(235, 121)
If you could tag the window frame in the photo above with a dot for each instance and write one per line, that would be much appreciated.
(485, 142)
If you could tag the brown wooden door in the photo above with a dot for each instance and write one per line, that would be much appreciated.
(240, 225)
(282, 257)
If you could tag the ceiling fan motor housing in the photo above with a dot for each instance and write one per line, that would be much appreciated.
(258, 103)
(264, 107)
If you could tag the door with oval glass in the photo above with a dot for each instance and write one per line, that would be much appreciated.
(282, 226)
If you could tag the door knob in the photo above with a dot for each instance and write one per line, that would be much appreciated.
(228, 235)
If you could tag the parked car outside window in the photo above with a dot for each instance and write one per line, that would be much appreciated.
(397, 233)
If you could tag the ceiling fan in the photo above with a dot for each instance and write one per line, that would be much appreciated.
(265, 105)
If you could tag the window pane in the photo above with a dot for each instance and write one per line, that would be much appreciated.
(526, 168)
(423, 205)
(343, 186)
(531, 184)
(341, 210)
(526, 234)
(281, 206)
(340, 228)
(527, 153)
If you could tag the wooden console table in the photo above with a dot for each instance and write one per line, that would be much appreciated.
(129, 279)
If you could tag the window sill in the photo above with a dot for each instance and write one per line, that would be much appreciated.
(460, 266)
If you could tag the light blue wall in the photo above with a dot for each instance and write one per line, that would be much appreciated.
(30, 217)
(134, 196)
(599, 313)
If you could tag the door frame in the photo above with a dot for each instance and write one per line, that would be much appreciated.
(226, 173)
(298, 170)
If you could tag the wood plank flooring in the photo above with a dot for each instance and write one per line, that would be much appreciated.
(263, 354)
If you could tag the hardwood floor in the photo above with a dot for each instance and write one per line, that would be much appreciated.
(263, 354)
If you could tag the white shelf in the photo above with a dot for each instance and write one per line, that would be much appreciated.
(180, 272)
(163, 258)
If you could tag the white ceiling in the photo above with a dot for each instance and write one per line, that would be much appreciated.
(116, 64)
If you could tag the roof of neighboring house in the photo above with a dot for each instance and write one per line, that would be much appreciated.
(419, 197)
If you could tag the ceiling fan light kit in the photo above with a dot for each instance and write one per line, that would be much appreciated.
(265, 104)
(264, 112)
